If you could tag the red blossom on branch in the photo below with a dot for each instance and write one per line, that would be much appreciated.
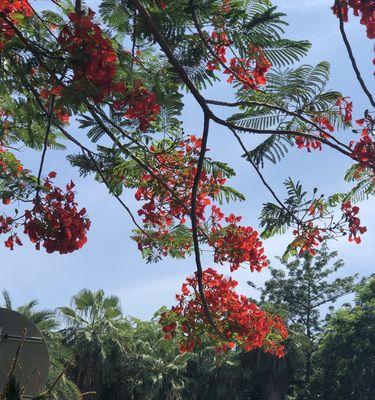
(92, 55)
(14, 10)
(139, 104)
(55, 221)
(345, 107)
(363, 8)
(177, 169)
(350, 215)
(308, 238)
(364, 151)
(240, 321)
(250, 72)
(161, 212)
(237, 245)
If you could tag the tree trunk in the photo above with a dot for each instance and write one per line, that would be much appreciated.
(308, 367)
(275, 386)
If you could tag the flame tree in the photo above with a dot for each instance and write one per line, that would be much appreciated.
(121, 75)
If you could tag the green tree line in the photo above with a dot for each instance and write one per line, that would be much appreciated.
(99, 353)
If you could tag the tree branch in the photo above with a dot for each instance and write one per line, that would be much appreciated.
(265, 183)
(278, 108)
(194, 222)
(45, 145)
(85, 150)
(172, 59)
(351, 55)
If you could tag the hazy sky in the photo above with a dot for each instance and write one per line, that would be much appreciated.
(111, 260)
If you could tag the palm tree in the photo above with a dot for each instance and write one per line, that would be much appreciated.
(216, 376)
(153, 368)
(95, 331)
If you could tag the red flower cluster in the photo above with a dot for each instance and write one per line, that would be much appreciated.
(233, 243)
(93, 57)
(55, 222)
(345, 108)
(250, 71)
(57, 91)
(308, 238)
(177, 168)
(162, 4)
(13, 10)
(365, 8)
(308, 143)
(6, 226)
(364, 151)
(237, 244)
(140, 104)
(220, 43)
(324, 123)
(226, 7)
(240, 322)
(95, 64)
(355, 228)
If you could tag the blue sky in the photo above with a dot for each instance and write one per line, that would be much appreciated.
(111, 260)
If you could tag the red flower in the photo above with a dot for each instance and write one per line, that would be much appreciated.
(308, 143)
(364, 8)
(139, 104)
(55, 221)
(350, 215)
(345, 108)
(250, 72)
(308, 238)
(364, 151)
(239, 321)
(92, 56)
(237, 245)
(10, 9)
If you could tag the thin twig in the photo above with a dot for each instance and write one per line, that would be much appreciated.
(89, 153)
(45, 145)
(265, 183)
(134, 37)
(56, 381)
(279, 108)
(105, 180)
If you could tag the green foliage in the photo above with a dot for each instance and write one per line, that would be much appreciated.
(365, 185)
(303, 286)
(93, 332)
(300, 289)
(276, 219)
(345, 360)
(126, 359)
(301, 91)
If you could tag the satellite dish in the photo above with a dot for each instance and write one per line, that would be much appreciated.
(24, 350)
